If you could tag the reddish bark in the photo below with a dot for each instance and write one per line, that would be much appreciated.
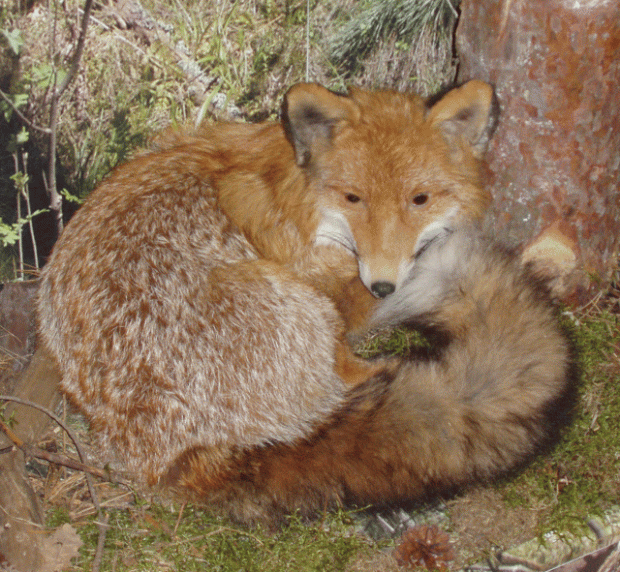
(555, 159)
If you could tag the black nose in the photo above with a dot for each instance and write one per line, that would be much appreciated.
(382, 289)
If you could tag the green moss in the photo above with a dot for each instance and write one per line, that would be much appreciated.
(151, 537)
(399, 341)
(580, 478)
(57, 516)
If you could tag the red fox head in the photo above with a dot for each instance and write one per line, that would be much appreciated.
(390, 173)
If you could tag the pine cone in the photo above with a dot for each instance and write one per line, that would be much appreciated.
(426, 546)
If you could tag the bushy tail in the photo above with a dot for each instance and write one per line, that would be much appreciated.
(495, 394)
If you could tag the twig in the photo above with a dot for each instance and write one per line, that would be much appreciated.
(75, 64)
(102, 523)
(55, 458)
(176, 525)
(25, 192)
(103, 527)
(78, 447)
(118, 36)
(20, 242)
(54, 196)
(19, 114)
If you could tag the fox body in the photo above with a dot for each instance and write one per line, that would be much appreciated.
(199, 307)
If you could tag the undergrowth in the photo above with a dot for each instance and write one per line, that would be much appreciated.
(150, 537)
(393, 342)
(580, 478)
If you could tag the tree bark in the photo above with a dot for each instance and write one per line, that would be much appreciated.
(22, 542)
(554, 163)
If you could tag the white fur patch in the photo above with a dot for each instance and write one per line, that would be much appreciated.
(404, 270)
(435, 229)
(365, 275)
(432, 232)
(334, 229)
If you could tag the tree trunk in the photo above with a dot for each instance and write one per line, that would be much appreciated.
(555, 158)
(22, 538)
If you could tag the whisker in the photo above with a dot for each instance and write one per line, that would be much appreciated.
(345, 242)
(441, 235)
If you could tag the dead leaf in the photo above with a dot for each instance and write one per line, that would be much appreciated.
(59, 548)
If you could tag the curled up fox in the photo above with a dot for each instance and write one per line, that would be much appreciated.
(202, 303)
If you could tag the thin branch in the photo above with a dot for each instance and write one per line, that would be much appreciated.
(102, 519)
(75, 64)
(20, 242)
(78, 447)
(55, 458)
(19, 114)
(25, 191)
(103, 527)
(55, 197)
(120, 37)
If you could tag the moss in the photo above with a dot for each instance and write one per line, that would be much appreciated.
(399, 341)
(152, 537)
(579, 478)
(57, 516)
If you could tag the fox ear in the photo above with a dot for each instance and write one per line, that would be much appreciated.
(467, 113)
(311, 114)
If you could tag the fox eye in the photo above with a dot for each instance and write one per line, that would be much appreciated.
(352, 198)
(420, 199)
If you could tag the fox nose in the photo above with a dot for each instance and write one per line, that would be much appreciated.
(382, 289)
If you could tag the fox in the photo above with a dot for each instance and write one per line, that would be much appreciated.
(204, 303)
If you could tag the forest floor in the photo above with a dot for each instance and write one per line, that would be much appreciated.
(564, 505)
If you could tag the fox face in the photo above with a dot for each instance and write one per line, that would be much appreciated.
(390, 174)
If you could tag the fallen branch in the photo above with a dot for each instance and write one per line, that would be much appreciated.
(38, 453)
(62, 460)
(102, 525)
(33, 451)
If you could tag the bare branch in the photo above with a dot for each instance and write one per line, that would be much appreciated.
(54, 195)
(60, 422)
(75, 64)
(19, 114)
(102, 520)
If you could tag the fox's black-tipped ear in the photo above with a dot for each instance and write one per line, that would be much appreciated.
(468, 114)
(311, 114)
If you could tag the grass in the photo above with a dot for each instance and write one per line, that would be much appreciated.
(148, 536)
(393, 342)
(581, 476)
(373, 38)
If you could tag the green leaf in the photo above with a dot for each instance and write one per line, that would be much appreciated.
(20, 180)
(22, 137)
(9, 234)
(15, 40)
(71, 198)
(18, 100)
